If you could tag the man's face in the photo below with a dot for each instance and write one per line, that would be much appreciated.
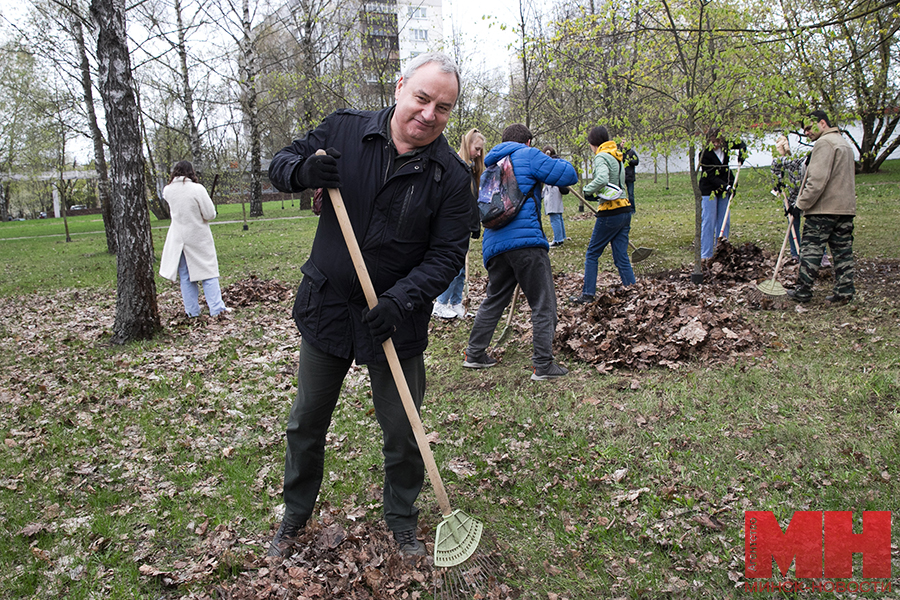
(814, 130)
(424, 102)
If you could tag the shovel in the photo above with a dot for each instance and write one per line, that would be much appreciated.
(457, 536)
(637, 254)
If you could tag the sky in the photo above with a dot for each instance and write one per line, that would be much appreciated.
(472, 18)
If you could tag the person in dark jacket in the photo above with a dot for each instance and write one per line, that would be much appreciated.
(518, 254)
(408, 197)
(630, 160)
(716, 181)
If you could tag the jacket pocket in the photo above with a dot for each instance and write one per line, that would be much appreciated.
(412, 215)
(308, 295)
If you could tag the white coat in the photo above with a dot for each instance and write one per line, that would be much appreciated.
(192, 210)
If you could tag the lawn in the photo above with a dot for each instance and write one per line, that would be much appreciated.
(154, 470)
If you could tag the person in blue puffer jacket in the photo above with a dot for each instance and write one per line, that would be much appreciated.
(518, 254)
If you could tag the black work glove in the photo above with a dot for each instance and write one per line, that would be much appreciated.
(563, 190)
(795, 212)
(590, 197)
(319, 171)
(383, 319)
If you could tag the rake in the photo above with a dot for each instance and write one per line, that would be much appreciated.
(770, 287)
(457, 535)
(730, 198)
(637, 254)
(512, 309)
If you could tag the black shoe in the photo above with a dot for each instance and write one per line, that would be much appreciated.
(555, 244)
(284, 538)
(409, 543)
(551, 371)
(792, 294)
(582, 299)
(479, 361)
(837, 300)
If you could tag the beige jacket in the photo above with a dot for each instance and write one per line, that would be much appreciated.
(829, 186)
(192, 210)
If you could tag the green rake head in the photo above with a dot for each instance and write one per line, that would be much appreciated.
(770, 287)
(640, 254)
(456, 539)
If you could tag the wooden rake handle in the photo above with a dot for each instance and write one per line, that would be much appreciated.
(730, 198)
(409, 406)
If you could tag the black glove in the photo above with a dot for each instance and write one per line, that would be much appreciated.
(320, 171)
(383, 319)
(590, 197)
(563, 190)
(795, 212)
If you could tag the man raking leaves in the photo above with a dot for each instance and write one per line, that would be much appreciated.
(407, 196)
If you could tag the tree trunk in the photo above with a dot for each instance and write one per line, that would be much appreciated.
(137, 313)
(96, 136)
(251, 112)
(697, 275)
(188, 94)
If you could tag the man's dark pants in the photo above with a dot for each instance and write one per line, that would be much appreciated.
(835, 231)
(319, 380)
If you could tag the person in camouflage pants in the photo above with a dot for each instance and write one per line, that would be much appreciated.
(828, 201)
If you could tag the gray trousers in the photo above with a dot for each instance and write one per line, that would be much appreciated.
(530, 268)
(320, 377)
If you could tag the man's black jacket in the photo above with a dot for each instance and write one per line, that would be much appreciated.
(412, 226)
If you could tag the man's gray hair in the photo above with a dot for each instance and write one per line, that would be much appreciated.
(444, 62)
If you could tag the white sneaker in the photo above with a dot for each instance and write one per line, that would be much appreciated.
(459, 309)
(443, 311)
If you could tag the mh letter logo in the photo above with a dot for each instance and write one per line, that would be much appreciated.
(816, 538)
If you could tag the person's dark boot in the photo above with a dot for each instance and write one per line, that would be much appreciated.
(409, 543)
(285, 537)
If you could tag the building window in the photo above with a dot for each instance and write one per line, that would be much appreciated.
(420, 35)
(418, 12)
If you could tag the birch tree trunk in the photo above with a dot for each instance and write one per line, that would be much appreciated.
(137, 313)
(96, 136)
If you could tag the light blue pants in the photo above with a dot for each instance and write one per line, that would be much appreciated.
(190, 292)
(612, 231)
(453, 294)
(559, 227)
(712, 217)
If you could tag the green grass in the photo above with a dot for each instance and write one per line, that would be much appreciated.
(134, 456)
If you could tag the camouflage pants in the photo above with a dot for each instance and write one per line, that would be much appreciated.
(837, 232)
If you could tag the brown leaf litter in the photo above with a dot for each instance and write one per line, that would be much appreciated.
(332, 559)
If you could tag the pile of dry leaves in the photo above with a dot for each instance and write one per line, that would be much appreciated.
(253, 290)
(334, 558)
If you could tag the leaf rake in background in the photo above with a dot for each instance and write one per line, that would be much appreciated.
(512, 309)
(637, 254)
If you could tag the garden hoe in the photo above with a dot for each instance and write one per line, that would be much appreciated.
(458, 535)
(637, 254)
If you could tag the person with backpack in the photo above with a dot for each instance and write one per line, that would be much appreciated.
(553, 205)
(518, 254)
(613, 222)
(449, 304)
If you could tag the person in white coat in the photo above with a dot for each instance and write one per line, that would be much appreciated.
(189, 252)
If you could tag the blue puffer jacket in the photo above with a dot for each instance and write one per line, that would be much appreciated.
(530, 166)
